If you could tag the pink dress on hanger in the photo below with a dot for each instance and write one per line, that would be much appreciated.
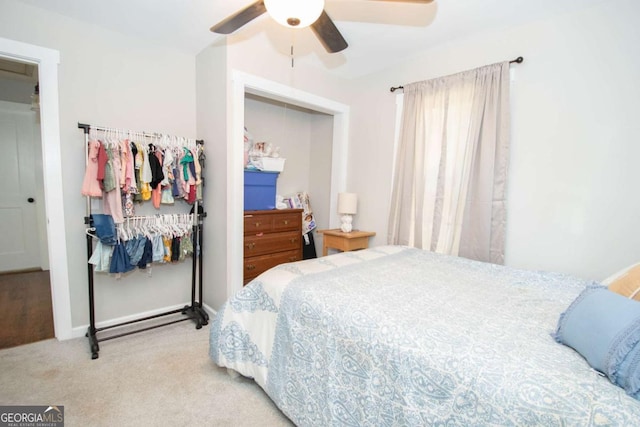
(90, 184)
(112, 200)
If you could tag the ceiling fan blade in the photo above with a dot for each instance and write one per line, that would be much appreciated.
(238, 19)
(328, 34)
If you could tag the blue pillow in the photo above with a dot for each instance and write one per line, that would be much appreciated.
(628, 374)
(604, 327)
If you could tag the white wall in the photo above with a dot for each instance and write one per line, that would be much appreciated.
(257, 55)
(286, 127)
(572, 205)
(300, 137)
(212, 100)
(108, 79)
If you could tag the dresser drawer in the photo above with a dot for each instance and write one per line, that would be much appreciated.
(286, 222)
(254, 224)
(255, 265)
(269, 243)
(272, 223)
(271, 237)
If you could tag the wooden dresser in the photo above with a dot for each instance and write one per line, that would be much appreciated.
(270, 238)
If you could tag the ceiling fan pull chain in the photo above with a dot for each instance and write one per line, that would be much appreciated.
(293, 42)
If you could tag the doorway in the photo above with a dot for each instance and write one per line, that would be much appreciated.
(47, 61)
(25, 293)
(22, 212)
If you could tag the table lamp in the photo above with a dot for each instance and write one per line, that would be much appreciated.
(347, 207)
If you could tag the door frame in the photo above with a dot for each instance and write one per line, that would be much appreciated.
(47, 61)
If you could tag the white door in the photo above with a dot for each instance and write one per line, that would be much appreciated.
(19, 245)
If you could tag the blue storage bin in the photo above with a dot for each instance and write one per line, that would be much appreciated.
(259, 190)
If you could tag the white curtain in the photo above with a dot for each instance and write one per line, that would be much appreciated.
(451, 165)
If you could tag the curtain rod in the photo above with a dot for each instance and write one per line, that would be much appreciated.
(87, 127)
(518, 60)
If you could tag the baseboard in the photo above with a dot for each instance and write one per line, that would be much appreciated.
(80, 331)
(210, 311)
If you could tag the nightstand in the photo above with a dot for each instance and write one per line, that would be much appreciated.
(338, 239)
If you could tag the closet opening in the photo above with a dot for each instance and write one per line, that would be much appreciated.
(304, 138)
(330, 119)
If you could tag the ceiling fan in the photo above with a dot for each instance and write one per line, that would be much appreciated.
(294, 14)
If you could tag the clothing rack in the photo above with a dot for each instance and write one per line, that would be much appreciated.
(194, 311)
(518, 60)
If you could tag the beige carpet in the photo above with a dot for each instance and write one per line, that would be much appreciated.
(159, 377)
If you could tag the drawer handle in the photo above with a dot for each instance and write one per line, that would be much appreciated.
(286, 222)
(293, 258)
(294, 239)
(251, 245)
(258, 224)
(251, 267)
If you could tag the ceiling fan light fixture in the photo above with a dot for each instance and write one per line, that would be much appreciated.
(294, 13)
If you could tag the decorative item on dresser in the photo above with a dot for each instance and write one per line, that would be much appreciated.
(271, 237)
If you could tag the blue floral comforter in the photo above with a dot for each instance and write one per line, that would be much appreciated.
(395, 336)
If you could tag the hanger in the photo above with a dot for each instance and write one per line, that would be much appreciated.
(89, 231)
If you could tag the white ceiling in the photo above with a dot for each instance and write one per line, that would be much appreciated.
(184, 25)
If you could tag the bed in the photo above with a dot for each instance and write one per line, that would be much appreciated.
(400, 336)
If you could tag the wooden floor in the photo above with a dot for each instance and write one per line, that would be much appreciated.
(26, 313)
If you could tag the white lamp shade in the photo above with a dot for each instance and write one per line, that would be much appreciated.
(294, 13)
(347, 203)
